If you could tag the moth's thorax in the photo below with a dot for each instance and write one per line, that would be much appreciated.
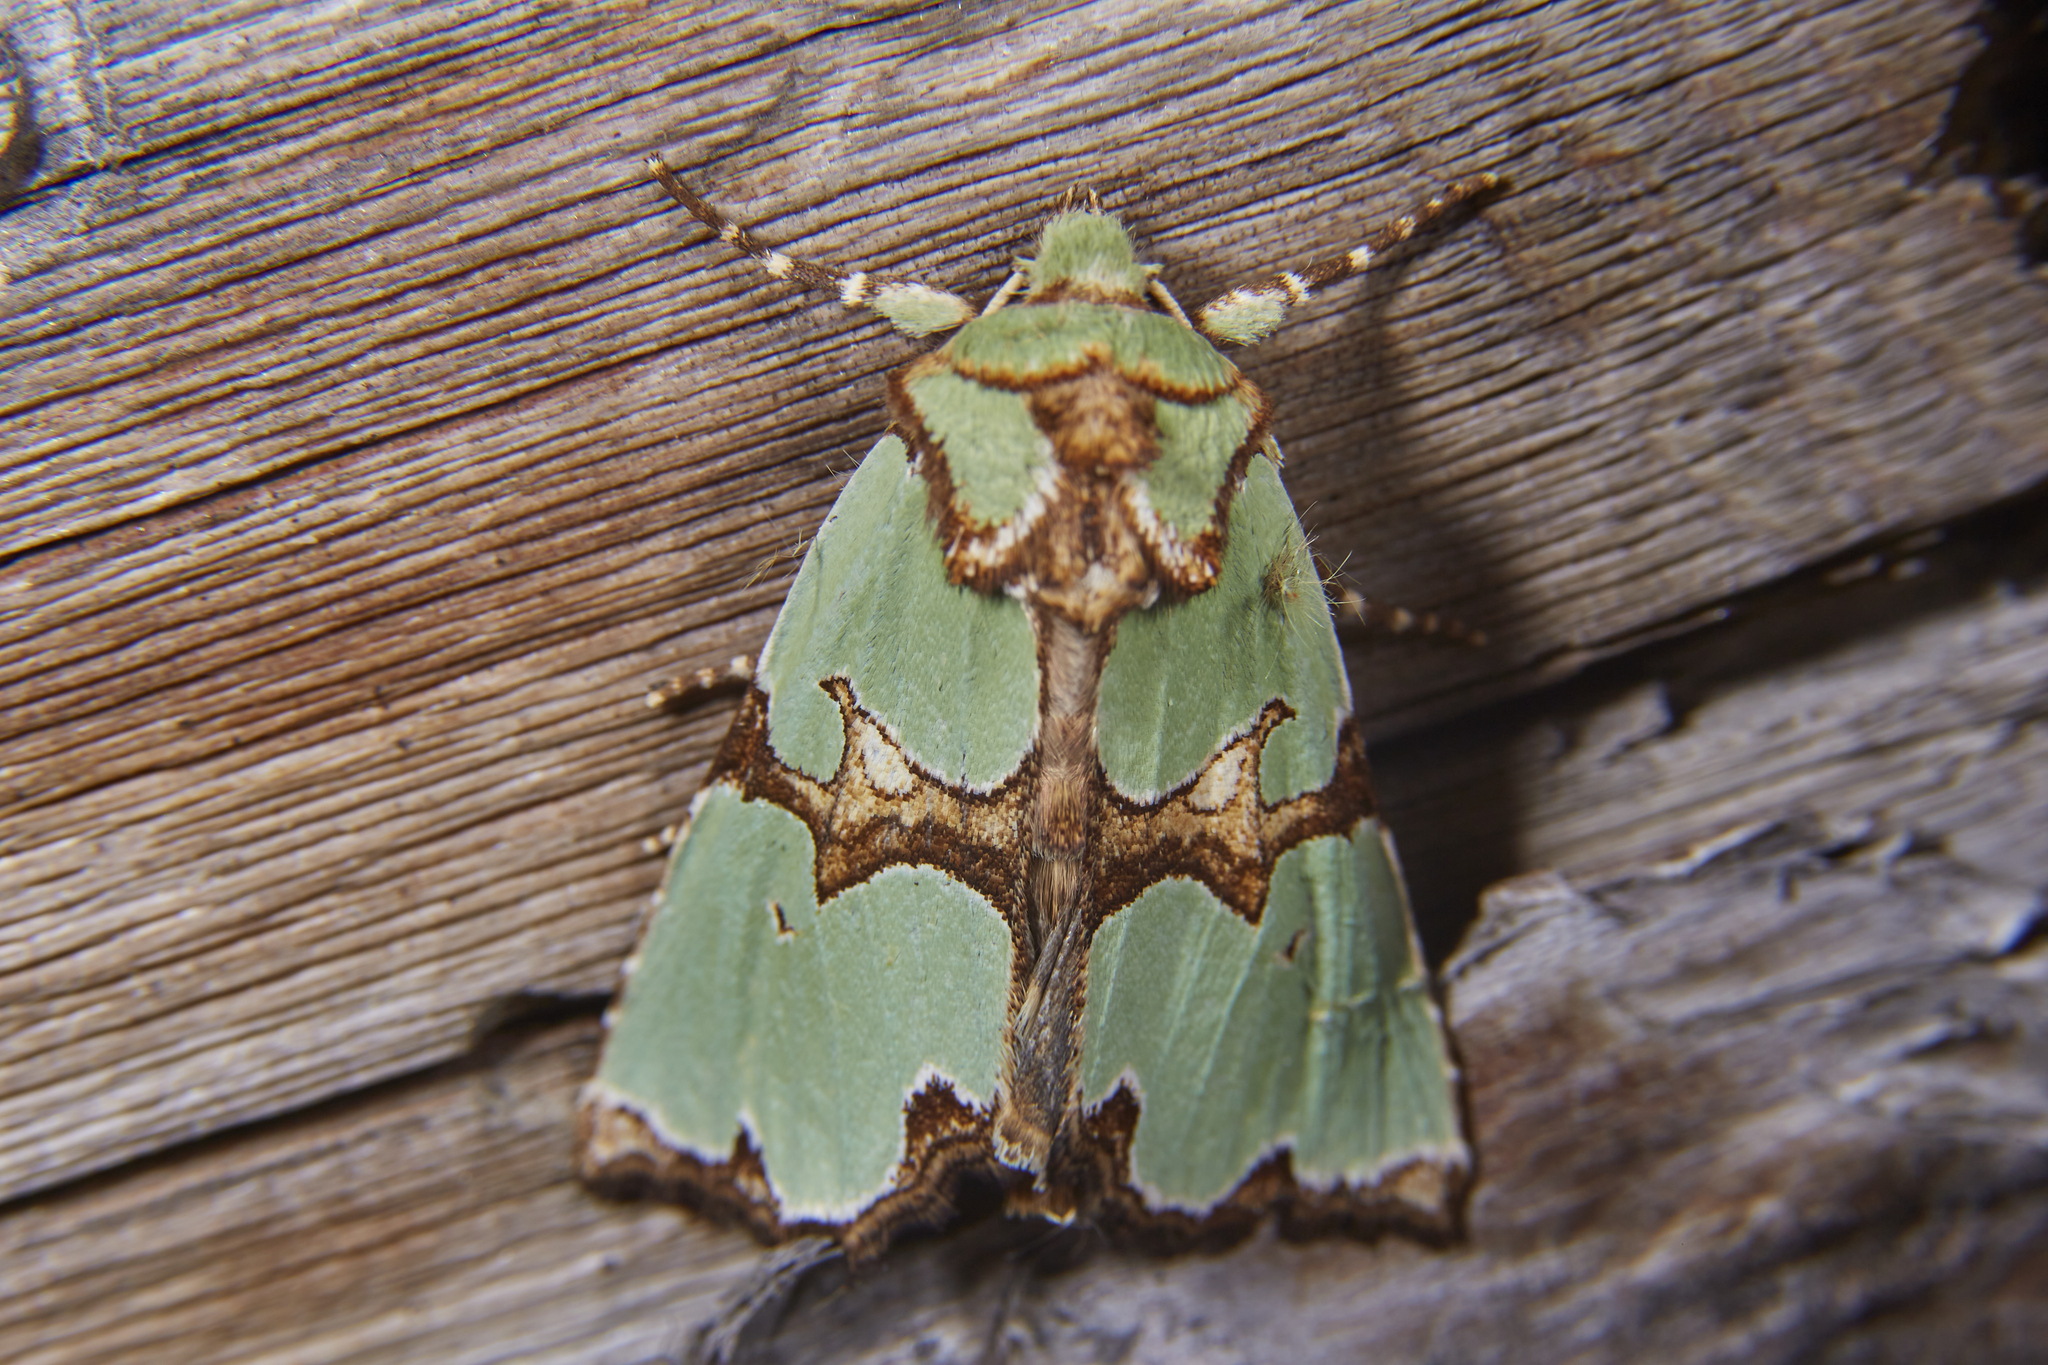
(1080, 454)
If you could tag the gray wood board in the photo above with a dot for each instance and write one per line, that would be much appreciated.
(1776, 1096)
(1783, 1099)
(372, 433)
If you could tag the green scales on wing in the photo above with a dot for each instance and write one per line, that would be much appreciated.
(1042, 854)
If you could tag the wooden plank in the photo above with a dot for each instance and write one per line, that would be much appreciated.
(374, 436)
(434, 1219)
(1892, 692)
(1782, 1099)
(1782, 1107)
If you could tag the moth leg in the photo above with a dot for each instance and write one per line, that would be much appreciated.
(1252, 314)
(1007, 292)
(686, 692)
(1297, 573)
(1163, 296)
(912, 308)
(1384, 616)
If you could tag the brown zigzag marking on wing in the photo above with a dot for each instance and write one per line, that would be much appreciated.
(881, 809)
(1215, 828)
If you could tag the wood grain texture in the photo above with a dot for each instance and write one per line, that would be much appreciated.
(1781, 1099)
(434, 1219)
(1715, 1131)
(371, 435)
(1894, 691)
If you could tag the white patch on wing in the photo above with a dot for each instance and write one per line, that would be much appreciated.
(1219, 782)
(1152, 796)
(885, 766)
(875, 731)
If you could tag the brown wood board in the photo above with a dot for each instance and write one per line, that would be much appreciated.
(372, 434)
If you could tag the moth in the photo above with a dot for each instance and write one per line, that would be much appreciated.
(1041, 866)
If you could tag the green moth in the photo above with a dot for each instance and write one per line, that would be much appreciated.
(1041, 863)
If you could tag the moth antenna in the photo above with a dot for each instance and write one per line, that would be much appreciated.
(910, 307)
(1252, 314)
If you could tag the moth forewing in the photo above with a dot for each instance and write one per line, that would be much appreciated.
(1042, 854)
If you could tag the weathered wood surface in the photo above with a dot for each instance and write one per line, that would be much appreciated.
(1784, 1100)
(372, 434)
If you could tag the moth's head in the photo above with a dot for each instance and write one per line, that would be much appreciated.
(1088, 255)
